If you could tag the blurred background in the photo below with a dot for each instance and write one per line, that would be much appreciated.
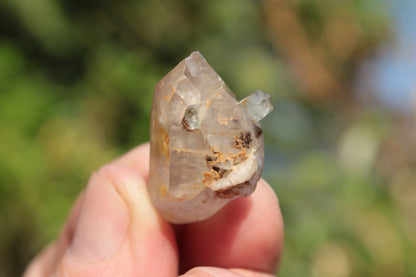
(77, 77)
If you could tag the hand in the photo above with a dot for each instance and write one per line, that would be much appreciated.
(113, 230)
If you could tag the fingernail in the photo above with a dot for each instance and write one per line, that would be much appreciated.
(102, 224)
(211, 272)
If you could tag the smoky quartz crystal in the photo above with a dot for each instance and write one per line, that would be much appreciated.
(205, 148)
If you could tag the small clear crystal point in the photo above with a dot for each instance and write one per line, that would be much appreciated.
(257, 105)
(190, 118)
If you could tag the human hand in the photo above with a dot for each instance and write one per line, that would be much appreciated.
(113, 230)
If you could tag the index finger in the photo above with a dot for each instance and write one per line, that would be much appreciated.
(247, 233)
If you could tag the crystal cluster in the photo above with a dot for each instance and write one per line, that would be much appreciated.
(205, 148)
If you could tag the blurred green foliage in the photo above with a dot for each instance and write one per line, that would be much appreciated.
(76, 81)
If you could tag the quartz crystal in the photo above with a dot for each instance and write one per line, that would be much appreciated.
(205, 148)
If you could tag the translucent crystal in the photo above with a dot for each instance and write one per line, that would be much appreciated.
(205, 148)
(257, 105)
(190, 118)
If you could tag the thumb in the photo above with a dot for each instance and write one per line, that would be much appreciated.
(117, 231)
(103, 222)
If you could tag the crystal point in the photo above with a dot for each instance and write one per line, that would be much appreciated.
(257, 105)
(205, 148)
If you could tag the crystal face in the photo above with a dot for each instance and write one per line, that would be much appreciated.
(257, 105)
(205, 148)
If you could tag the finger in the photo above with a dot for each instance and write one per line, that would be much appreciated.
(247, 233)
(118, 233)
(138, 159)
(216, 272)
(48, 259)
(251, 273)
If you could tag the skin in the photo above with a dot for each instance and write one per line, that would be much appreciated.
(113, 230)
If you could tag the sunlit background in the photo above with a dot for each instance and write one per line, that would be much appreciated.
(76, 80)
